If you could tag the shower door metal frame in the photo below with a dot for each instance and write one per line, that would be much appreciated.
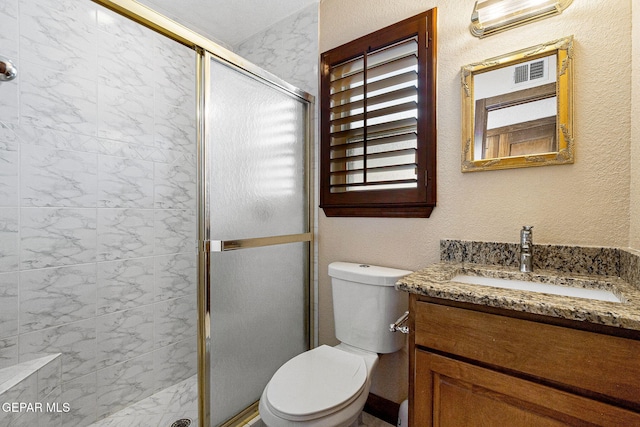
(206, 49)
(208, 246)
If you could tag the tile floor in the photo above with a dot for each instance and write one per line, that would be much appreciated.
(177, 402)
(159, 410)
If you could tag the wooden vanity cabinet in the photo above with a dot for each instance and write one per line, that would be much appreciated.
(474, 366)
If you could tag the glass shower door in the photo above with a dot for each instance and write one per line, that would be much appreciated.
(257, 229)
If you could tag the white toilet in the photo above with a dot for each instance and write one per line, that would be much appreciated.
(328, 386)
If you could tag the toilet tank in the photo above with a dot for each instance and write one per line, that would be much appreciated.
(365, 303)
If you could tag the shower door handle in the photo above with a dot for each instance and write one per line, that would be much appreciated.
(232, 245)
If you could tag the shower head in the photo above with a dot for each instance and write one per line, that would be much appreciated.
(8, 71)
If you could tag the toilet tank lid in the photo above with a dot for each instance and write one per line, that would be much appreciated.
(366, 273)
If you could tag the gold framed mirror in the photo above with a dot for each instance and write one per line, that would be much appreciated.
(517, 109)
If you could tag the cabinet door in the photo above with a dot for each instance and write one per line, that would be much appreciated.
(450, 393)
(597, 364)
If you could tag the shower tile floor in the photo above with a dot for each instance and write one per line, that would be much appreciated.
(159, 410)
(177, 402)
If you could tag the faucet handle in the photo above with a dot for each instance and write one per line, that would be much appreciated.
(526, 236)
(526, 249)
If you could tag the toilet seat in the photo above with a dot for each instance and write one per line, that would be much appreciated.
(316, 383)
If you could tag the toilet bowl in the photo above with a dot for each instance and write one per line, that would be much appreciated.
(329, 386)
(326, 386)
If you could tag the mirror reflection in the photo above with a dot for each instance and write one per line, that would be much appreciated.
(517, 109)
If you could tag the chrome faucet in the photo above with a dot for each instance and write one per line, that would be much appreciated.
(526, 249)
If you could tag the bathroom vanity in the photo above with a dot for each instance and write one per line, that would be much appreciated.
(484, 355)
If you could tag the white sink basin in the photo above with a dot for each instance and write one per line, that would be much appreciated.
(597, 294)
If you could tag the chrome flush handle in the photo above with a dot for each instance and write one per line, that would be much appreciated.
(398, 326)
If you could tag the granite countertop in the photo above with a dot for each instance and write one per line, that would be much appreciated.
(435, 281)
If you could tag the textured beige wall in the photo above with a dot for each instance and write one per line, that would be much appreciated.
(634, 228)
(586, 203)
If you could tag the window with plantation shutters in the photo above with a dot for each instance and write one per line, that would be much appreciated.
(378, 123)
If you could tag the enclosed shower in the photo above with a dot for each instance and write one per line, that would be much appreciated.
(155, 218)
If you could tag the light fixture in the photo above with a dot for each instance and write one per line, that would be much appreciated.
(492, 16)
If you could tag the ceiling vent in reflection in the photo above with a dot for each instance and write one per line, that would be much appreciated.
(529, 71)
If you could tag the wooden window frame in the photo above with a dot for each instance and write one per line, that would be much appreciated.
(407, 202)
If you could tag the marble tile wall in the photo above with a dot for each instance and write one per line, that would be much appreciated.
(288, 49)
(97, 204)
